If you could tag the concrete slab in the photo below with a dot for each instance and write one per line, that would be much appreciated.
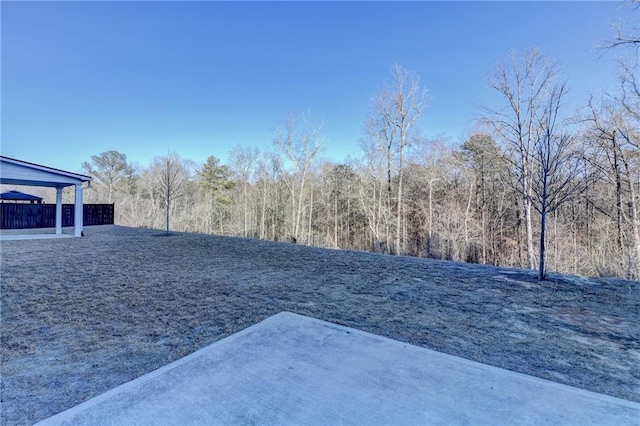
(290, 369)
(15, 237)
(34, 234)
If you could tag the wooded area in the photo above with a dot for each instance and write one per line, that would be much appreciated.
(535, 186)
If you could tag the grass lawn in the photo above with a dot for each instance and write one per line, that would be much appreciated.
(80, 316)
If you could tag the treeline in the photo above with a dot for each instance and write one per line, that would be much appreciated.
(535, 187)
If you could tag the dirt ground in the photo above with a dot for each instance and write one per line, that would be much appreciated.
(81, 316)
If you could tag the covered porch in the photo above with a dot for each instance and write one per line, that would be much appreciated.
(18, 172)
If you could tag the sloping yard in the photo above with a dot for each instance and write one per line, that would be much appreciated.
(81, 316)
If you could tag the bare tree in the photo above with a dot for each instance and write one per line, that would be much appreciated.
(171, 174)
(300, 140)
(374, 199)
(267, 174)
(481, 155)
(630, 96)
(340, 180)
(432, 159)
(615, 140)
(626, 33)
(393, 125)
(242, 162)
(524, 83)
(557, 167)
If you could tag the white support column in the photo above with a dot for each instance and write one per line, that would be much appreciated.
(58, 211)
(77, 228)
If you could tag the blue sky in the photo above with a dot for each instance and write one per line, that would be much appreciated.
(142, 78)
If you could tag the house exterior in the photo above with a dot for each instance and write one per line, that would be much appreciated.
(18, 172)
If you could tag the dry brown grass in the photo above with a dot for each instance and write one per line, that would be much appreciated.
(81, 316)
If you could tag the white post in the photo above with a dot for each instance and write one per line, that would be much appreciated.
(77, 228)
(58, 210)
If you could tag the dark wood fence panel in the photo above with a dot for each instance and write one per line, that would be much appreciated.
(24, 216)
(97, 214)
(17, 216)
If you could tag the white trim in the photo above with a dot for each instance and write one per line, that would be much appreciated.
(58, 211)
(33, 166)
(79, 210)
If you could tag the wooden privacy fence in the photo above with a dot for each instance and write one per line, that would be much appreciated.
(23, 216)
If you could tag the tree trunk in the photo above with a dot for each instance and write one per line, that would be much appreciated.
(466, 214)
(348, 242)
(529, 232)
(335, 220)
(299, 209)
(543, 226)
(618, 202)
(633, 220)
(430, 214)
(310, 229)
(168, 205)
(483, 216)
(544, 201)
(244, 202)
(399, 233)
(263, 212)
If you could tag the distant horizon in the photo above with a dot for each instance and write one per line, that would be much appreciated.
(200, 78)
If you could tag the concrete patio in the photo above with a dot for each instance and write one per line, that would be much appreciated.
(292, 369)
(34, 234)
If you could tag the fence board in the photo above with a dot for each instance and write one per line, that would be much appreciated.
(26, 216)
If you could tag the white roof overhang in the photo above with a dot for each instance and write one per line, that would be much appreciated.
(18, 172)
